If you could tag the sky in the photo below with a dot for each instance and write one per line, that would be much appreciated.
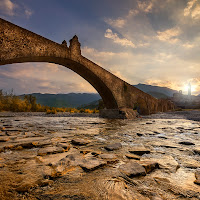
(153, 42)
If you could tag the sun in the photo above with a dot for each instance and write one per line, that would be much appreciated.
(193, 88)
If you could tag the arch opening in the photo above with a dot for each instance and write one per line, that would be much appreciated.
(89, 76)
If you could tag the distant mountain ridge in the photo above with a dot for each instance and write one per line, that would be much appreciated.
(156, 91)
(90, 100)
(73, 100)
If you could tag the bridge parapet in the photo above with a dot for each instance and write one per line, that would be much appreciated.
(17, 42)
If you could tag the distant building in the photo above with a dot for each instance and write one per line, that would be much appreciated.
(189, 90)
(188, 101)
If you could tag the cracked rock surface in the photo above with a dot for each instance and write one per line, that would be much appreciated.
(150, 158)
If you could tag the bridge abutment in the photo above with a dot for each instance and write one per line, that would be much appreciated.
(124, 113)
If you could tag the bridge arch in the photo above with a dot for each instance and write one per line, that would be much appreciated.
(95, 81)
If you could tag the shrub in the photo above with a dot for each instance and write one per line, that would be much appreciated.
(51, 111)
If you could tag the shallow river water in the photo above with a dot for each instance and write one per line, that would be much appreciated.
(80, 158)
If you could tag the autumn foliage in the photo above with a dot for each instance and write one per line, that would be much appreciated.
(11, 102)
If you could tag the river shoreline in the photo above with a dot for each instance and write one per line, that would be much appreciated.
(191, 115)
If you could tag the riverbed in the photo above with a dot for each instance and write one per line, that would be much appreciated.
(84, 157)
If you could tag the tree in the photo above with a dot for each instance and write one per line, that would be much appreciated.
(31, 102)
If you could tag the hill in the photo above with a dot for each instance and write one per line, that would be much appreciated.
(90, 100)
(73, 100)
(156, 91)
(91, 105)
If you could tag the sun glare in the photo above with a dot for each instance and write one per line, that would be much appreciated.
(193, 88)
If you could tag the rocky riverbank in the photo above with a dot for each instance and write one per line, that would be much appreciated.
(151, 158)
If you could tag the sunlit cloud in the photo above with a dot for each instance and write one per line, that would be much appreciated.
(116, 39)
(102, 55)
(188, 45)
(10, 8)
(145, 6)
(196, 12)
(41, 77)
(121, 21)
(169, 35)
(116, 23)
(178, 85)
(7, 7)
(192, 9)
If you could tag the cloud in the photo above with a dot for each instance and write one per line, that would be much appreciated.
(188, 45)
(169, 35)
(28, 12)
(145, 6)
(192, 9)
(177, 85)
(102, 56)
(116, 39)
(141, 7)
(8, 8)
(162, 83)
(196, 12)
(121, 21)
(160, 68)
(41, 77)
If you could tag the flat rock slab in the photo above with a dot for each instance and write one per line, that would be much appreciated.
(156, 198)
(110, 158)
(133, 156)
(132, 169)
(197, 151)
(80, 142)
(31, 144)
(197, 174)
(50, 150)
(2, 134)
(139, 150)
(4, 139)
(92, 151)
(114, 146)
(91, 164)
(87, 164)
(149, 165)
(197, 181)
(64, 145)
(166, 162)
(186, 143)
(72, 159)
(190, 163)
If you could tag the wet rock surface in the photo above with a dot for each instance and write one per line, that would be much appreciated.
(80, 142)
(132, 169)
(151, 158)
(50, 150)
(132, 156)
(197, 176)
(112, 147)
(139, 150)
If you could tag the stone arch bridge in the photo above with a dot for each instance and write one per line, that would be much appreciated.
(18, 45)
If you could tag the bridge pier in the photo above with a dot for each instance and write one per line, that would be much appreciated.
(124, 113)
